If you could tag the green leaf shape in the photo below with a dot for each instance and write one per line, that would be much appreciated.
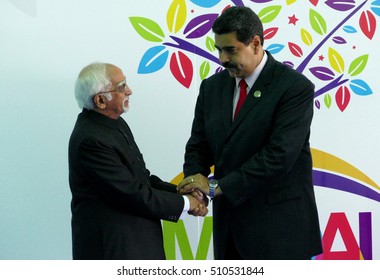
(147, 28)
(268, 14)
(357, 65)
(336, 60)
(327, 100)
(176, 16)
(204, 70)
(210, 44)
(306, 37)
(318, 23)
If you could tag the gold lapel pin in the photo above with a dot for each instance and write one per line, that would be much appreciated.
(257, 94)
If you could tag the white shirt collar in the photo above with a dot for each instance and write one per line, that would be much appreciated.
(250, 80)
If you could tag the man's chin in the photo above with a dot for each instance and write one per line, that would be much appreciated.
(233, 73)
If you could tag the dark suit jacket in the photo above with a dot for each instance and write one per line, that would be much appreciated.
(262, 161)
(116, 204)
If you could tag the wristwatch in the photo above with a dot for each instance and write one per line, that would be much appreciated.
(213, 184)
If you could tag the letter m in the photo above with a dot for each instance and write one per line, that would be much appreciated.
(173, 231)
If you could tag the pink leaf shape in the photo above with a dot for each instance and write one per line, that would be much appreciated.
(270, 32)
(181, 68)
(367, 24)
(314, 2)
(295, 49)
(342, 97)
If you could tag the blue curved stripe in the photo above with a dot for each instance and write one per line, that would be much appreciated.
(333, 181)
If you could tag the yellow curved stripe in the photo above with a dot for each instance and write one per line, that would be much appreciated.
(323, 160)
(177, 179)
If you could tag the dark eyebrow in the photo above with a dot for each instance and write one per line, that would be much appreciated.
(227, 48)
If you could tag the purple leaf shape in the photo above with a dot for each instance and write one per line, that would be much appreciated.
(219, 69)
(261, 1)
(317, 104)
(238, 3)
(339, 40)
(341, 5)
(288, 63)
(322, 73)
(199, 26)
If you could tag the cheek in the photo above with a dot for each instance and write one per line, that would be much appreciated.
(247, 61)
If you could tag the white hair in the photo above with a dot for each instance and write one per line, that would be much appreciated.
(92, 79)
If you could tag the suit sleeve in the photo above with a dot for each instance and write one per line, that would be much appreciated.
(198, 156)
(158, 184)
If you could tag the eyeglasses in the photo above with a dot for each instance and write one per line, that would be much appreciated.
(119, 88)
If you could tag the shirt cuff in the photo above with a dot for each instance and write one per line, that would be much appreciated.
(186, 206)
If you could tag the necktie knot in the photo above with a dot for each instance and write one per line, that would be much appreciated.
(243, 85)
(242, 95)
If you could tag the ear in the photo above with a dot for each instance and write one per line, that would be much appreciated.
(100, 101)
(256, 44)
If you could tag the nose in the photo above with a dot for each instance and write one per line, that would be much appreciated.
(128, 90)
(223, 57)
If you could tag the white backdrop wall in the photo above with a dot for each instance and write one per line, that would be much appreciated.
(44, 44)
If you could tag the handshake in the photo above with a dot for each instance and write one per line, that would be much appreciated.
(196, 188)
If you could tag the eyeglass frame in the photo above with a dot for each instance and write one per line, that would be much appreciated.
(121, 87)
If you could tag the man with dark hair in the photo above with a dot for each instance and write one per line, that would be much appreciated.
(252, 123)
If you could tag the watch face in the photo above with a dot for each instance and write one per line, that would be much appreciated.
(213, 183)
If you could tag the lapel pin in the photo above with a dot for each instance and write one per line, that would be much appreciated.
(257, 94)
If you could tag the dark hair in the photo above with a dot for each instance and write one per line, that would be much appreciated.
(242, 20)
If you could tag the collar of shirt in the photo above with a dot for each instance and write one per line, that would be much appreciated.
(250, 80)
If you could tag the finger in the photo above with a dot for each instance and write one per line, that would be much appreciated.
(195, 211)
(198, 195)
(188, 180)
(199, 209)
(186, 190)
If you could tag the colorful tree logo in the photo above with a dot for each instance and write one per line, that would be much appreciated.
(191, 36)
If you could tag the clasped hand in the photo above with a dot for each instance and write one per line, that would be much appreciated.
(195, 187)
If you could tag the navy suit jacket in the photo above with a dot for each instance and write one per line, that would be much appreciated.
(116, 203)
(262, 161)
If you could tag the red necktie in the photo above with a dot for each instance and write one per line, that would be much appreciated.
(243, 94)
